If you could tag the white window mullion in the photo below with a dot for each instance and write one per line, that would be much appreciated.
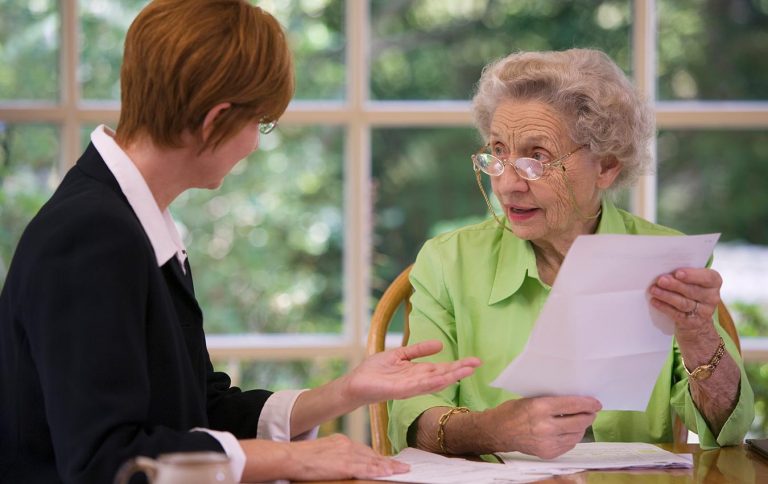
(643, 201)
(357, 198)
(69, 89)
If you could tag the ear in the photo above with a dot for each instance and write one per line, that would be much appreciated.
(609, 170)
(210, 119)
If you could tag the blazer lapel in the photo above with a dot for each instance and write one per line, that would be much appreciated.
(92, 164)
(183, 282)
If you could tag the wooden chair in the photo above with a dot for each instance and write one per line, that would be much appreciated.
(398, 294)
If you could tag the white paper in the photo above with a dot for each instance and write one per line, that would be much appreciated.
(428, 468)
(601, 455)
(597, 335)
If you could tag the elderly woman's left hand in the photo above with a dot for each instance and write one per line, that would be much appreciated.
(689, 296)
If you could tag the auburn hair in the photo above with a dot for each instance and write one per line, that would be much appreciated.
(183, 57)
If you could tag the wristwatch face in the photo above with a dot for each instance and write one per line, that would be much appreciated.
(702, 372)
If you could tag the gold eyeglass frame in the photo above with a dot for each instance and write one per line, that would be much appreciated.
(556, 163)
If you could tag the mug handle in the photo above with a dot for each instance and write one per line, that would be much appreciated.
(138, 464)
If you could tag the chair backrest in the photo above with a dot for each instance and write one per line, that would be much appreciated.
(398, 294)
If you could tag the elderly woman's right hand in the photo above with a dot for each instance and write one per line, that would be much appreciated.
(543, 426)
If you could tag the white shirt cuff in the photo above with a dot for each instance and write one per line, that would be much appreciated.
(275, 418)
(231, 448)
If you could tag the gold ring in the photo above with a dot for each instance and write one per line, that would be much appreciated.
(692, 312)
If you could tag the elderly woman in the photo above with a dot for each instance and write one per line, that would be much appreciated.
(562, 130)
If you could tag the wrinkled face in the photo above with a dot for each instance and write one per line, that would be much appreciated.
(543, 210)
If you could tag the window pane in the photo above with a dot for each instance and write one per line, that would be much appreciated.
(104, 24)
(757, 373)
(714, 181)
(285, 375)
(316, 36)
(712, 50)
(266, 247)
(29, 50)
(424, 185)
(432, 49)
(29, 156)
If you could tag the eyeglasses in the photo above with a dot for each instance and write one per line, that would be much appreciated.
(528, 168)
(266, 128)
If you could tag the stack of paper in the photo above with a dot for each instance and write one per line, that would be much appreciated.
(427, 468)
(601, 455)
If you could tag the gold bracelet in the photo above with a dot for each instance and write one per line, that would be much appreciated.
(703, 372)
(441, 426)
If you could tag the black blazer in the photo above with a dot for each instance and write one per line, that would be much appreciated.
(102, 352)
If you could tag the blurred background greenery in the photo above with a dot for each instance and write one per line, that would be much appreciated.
(267, 248)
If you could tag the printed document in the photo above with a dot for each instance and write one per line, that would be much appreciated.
(598, 335)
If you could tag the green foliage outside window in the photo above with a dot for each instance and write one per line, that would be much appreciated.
(266, 248)
(29, 50)
(28, 175)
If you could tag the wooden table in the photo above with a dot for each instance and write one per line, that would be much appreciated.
(726, 465)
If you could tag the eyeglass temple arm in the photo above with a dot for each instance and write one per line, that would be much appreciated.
(485, 197)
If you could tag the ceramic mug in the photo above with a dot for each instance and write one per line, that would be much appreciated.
(177, 468)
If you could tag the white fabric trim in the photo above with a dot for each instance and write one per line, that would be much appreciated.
(231, 448)
(159, 226)
(275, 418)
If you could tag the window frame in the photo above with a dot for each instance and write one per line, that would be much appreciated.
(359, 115)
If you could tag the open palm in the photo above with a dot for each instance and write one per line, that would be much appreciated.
(391, 374)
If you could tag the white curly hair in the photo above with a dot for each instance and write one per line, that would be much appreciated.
(600, 106)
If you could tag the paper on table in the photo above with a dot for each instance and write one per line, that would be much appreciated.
(597, 334)
(601, 455)
(427, 468)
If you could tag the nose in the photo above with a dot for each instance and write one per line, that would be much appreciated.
(509, 181)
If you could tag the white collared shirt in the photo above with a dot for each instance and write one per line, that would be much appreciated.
(275, 417)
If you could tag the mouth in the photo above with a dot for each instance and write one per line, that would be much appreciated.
(519, 214)
(521, 209)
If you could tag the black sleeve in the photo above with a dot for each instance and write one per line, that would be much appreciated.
(232, 410)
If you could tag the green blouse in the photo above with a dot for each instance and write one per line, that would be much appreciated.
(477, 289)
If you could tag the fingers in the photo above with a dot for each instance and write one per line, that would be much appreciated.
(687, 294)
(575, 423)
(468, 363)
(705, 277)
(417, 350)
(431, 347)
(379, 466)
(397, 467)
(368, 464)
(571, 405)
(558, 446)
(337, 457)
(437, 376)
(452, 371)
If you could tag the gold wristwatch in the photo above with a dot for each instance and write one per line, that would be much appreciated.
(705, 371)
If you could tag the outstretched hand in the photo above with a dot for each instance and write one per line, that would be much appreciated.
(391, 375)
